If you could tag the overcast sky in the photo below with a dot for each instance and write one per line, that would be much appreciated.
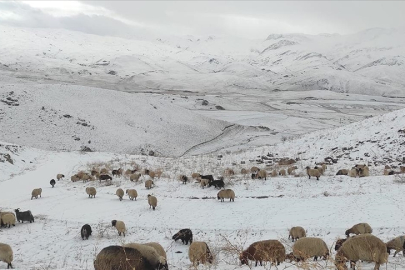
(248, 19)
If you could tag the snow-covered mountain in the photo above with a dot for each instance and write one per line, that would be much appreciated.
(370, 62)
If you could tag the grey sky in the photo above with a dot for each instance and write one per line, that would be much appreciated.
(249, 19)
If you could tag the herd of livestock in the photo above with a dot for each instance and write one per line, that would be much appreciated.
(363, 246)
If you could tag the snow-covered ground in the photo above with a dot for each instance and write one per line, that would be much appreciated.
(325, 208)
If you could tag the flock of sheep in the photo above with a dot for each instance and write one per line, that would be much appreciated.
(363, 246)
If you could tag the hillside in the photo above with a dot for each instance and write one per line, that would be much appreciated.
(370, 62)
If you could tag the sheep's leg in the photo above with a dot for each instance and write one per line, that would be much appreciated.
(316, 258)
(395, 253)
(377, 266)
(317, 178)
(256, 264)
(353, 265)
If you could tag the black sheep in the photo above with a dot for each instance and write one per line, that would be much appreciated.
(184, 179)
(217, 184)
(24, 216)
(185, 235)
(52, 182)
(209, 177)
(105, 177)
(85, 231)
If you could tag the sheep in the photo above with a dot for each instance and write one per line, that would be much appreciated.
(159, 249)
(353, 172)
(120, 226)
(121, 258)
(120, 193)
(52, 182)
(204, 182)
(313, 172)
(158, 173)
(152, 201)
(267, 250)
(74, 178)
(297, 233)
(8, 219)
(397, 243)
(6, 254)
(134, 177)
(104, 171)
(243, 171)
(128, 172)
(104, 177)
(282, 172)
(274, 173)
(364, 247)
(152, 174)
(1, 215)
(36, 192)
(86, 177)
(308, 247)
(132, 194)
(360, 228)
(85, 231)
(91, 191)
(149, 184)
(217, 184)
(184, 179)
(185, 235)
(254, 169)
(262, 174)
(199, 252)
(117, 172)
(208, 176)
(342, 172)
(157, 261)
(229, 172)
(362, 170)
(290, 170)
(195, 175)
(226, 194)
(389, 172)
(24, 216)
(81, 174)
(60, 176)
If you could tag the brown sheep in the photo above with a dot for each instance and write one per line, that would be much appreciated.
(397, 244)
(74, 178)
(120, 193)
(132, 193)
(267, 250)
(152, 174)
(134, 177)
(254, 169)
(195, 175)
(290, 170)
(91, 191)
(59, 176)
(360, 228)
(226, 194)
(199, 252)
(353, 172)
(308, 247)
(243, 171)
(364, 247)
(274, 173)
(282, 172)
(262, 174)
(6, 254)
(36, 192)
(342, 172)
(362, 170)
(121, 258)
(297, 233)
(149, 184)
(152, 201)
(313, 172)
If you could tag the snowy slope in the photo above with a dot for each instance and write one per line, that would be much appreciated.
(369, 62)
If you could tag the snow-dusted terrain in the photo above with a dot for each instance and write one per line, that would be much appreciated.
(262, 209)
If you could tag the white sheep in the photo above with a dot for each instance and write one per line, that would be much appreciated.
(157, 261)
(199, 252)
(226, 194)
(152, 201)
(134, 177)
(313, 172)
(6, 254)
(149, 184)
(60, 176)
(120, 226)
(8, 219)
(132, 193)
(120, 193)
(91, 191)
(159, 249)
(36, 192)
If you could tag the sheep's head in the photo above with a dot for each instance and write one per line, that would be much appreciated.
(113, 222)
(339, 243)
(347, 233)
(243, 259)
(176, 236)
(17, 210)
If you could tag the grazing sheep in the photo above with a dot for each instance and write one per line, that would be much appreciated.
(52, 182)
(185, 235)
(282, 172)
(290, 170)
(360, 228)
(339, 243)
(195, 175)
(308, 247)
(1, 215)
(60, 176)
(229, 172)
(208, 176)
(120, 193)
(364, 247)
(132, 193)
(85, 231)
(120, 226)
(148, 252)
(243, 171)
(104, 171)
(152, 174)
(91, 191)
(128, 172)
(159, 249)
(313, 172)
(74, 178)
(297, 233)
(6, 254)
(199, 252)
(104, 177)
(319, 168)
(94, 172)
(152, 201)
(24, 216)
(268, 250)
(274, 173)
(117, 172)
(204, 183)
(254, 175)
(353, 172)
(262, 174)
(134, 177)
(121, 258)
(397, 243)
(362, 170)
(217, 184)
(86, 177)
(184, 179)
(226, 194)
(149, 184)
(8, 219)
(36, 192)
(342, 172)
(254, 169)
